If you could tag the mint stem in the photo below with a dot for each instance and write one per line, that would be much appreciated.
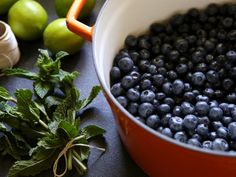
(43, 124)
(69, 164)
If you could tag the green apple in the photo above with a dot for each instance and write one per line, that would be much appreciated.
(57, 38)
(63, 6)
(28, 19)
(5, 5)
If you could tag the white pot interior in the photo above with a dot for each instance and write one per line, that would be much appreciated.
(119, 18)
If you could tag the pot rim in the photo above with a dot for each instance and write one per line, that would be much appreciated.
(230, 154)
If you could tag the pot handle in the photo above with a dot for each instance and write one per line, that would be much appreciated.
(75, 26)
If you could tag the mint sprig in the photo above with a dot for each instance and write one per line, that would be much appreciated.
(40, 127)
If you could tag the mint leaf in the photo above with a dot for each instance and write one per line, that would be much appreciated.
(21, 73)
(61, 54)
(52, 101)
(67, 129)
(4, 94)
(42, 88)
(91, 131)
(41, 160)
(24, 105)
(51, 141)
(94, 92)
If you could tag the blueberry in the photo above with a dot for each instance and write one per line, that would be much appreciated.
(166, 48)
(187, 87)
(222, 132)
(172, 75)
(197, 136)
(227, 84)
(115, 73)
(189, 96)
(173, 55)
(135, 75)
(201, 67)
(158, 79)
(143, 43)
(212, 76)
(163, 109)
(146, 76)
(202, 98)
(126, 64)
(232, 72)
(209, 46)
(134, 56)
(159, 61)
(165, 119)
(167, 88)
(198, 78)
(207, 144)
(216, 125)
(187, 108)
(133, 94)
(202, 130)
(181, 68)
(231, 97)
(215, 113)
(209, 92)
(220, 48)
(156, 50)
(147, 96)
(157, 28)
(190, 121)
(152, 69)
(177, 20)
(213, 103)
(198, 57)
(232, 130)
(132, 108)
(169, 101)
(204, 120)
(181, 45)
(226, 120)
(162, 71)
(177, 87)
(233, 113)
(231, 55)
(167, 132)
(117, 90)
(145, 109)
(131, 41)
(212, 9)
(193, 12)
(232, 35)
(160, 96)
(202, 108)
(144, 54)
(143, 65)
(122, 100)
(159, 129)
(212, 136)
(177, 111)
(127, 82)
(227, 22)
(176, 123)
(145, 84)
(220, 144)
(194, 142)
(153, 121)
(181, 137)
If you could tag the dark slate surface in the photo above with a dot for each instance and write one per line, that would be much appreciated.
(115, 162)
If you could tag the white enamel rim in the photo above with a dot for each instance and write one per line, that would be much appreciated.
(129, 116)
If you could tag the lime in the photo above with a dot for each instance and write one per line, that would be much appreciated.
(5, 5)
(62, 7)
(57, 38)
(27, 19)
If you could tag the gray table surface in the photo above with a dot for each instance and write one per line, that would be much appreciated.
(115, 162)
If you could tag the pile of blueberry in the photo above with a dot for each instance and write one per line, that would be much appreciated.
(179, 78)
